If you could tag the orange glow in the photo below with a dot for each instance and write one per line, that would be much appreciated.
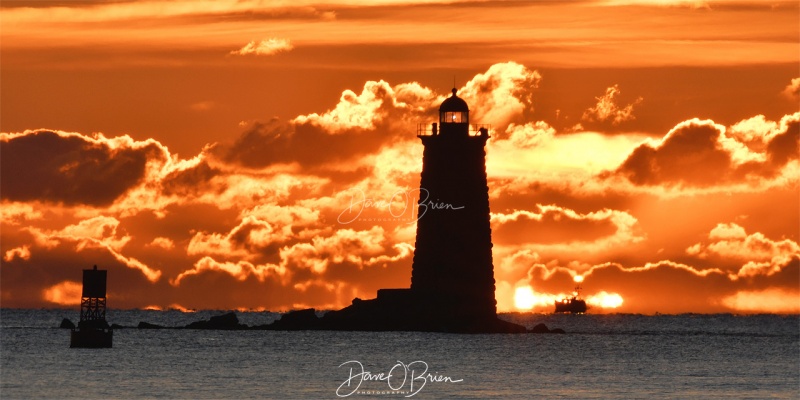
(767, 301)
(67, 293)
(525, 298)
(176, 306)
(605, 300)
(649, 161)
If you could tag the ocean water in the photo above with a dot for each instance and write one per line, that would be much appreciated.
(601, 356)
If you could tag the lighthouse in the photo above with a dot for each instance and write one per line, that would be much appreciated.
(452, 277)
(452, 272)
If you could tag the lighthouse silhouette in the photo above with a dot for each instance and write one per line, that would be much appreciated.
(452, 270)
(452, 278)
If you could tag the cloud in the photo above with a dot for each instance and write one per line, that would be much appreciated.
(501, 95)
(73, 169)
(163, 243)
(380, 115)
(530, 135)
(359, 125)
(122, 12)
(774, 300)
(248, 239)
(66, 293)
(240, 270)
(554, 229)
(266, 47)
(255, 221)
(362, 111)
(792, 90)
(94, 233)
(22, 252)
(607, 109)
(18, 213)
(345, 245)
(700, 153)
(755, 133)
(732, 242)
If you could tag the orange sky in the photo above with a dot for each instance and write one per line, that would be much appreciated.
(214, 154)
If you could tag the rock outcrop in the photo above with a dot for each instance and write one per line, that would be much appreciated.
(226, 321)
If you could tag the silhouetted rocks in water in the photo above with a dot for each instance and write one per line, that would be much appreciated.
(296, 320)
(147, 325)
(542, 328)
(365, 315)
(402, 310)
(393, 310)
(66, 324)
(227, 321)
(116, 326)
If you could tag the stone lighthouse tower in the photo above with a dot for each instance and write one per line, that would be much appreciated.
(452, 277)
(452, 273)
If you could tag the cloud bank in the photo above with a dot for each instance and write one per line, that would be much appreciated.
(669, 221)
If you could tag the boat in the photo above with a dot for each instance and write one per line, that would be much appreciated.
(573, 304)
(93, 330)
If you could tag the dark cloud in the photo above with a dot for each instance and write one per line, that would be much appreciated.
(698, 153)
(688, 155)
(70, 169)
(190, 181)
(784, 146)
(305, 144)
(552, 226)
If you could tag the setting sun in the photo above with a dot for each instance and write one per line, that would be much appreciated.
(524, 298)
(605, 300)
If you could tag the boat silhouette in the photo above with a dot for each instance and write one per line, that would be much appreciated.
(573, 304)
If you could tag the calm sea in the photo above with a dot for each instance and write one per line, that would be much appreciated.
(601, 356)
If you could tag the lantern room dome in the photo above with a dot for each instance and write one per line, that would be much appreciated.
(453, 103)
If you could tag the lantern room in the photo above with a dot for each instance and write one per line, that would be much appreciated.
(454, 110)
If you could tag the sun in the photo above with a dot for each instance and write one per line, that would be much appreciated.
(524, 298)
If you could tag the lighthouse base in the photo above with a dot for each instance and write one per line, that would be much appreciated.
(398, 310)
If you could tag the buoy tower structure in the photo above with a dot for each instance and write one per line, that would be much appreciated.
(93, 330)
